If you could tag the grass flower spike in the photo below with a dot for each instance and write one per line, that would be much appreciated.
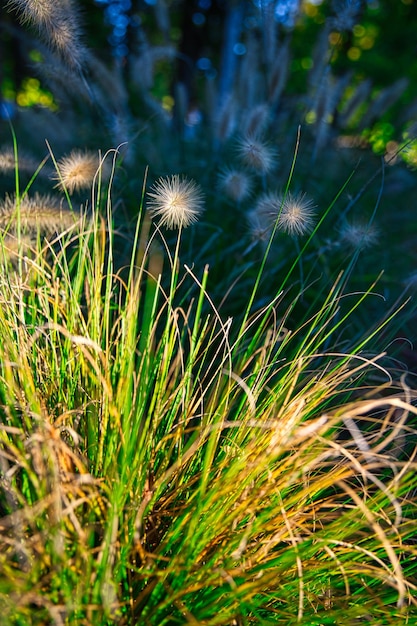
(58, 25)
(177, 202)
(297, 214)
(359, 235)
(235, 184)
(38, 213)
(257, 155)
(77, 170)
(8, 161)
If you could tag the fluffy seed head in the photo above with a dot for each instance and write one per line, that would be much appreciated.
(177, 201)
(268, 208)
(262, 218)
(297, 214)
(225, 122)
(259, 231)
(77, 170)
(12, 247)
(256, 155)
(359, 235)
(256, 121)
(236, 184)
(58, 25)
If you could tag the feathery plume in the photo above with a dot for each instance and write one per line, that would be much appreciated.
(297, 214)
(77, 170)
(250, 81)
(38, 214)
(256, 121)
(12, 247)
(162, 17)
(58, 25)
(268, 208)
(358, 235)
(263, 217)
(260, 231)
(236, 184)
(177, 202)
(321, 58)
(257, 155)
(8, 162)
(327, 100)
(225, 122)
(279, 74)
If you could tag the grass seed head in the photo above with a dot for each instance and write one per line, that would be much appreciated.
(359, 235)
(58, 24)
(268, 208)
(8, 161)
(257, 155)
(297, 214)
(236, 184)
(77, 170)
(225, 120)
(178, 202)
(257, 120)
(39, 213)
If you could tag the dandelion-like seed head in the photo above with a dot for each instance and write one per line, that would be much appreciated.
(359, 235)
(268, 208)
(236, 184)
(262, 218)
(297, 214)
(77, 170)
(177, 202)
(257, 155)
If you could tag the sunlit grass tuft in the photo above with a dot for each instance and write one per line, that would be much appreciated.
(161, 464)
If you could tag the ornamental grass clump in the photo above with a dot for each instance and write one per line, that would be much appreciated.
(162, 463)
